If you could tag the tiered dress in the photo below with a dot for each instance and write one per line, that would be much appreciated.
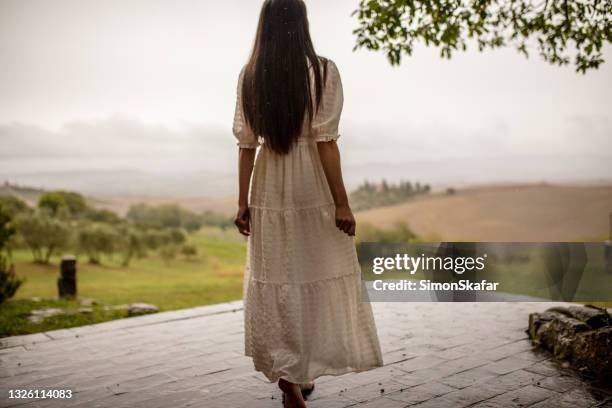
(303, 311)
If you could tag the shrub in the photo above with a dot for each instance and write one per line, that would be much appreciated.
(8, 281)
(189, 250)
(401, 233)
(168, 252)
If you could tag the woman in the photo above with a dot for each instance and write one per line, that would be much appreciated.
(304, 317)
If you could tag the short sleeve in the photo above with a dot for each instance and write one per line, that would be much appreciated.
(242, 131)
(326, 120)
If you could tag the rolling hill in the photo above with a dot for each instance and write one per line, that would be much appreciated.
(534, 212)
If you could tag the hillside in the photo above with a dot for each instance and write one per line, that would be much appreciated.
(533, 212)
(28, 194)
(121, 204)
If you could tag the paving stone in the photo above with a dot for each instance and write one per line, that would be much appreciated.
(334, 387)
(471, 395)
(369, 392)
(559, 383)
(419, 363)
(437, 402)
(81, 398)
(468, 377)
(15, 341)
(382, 403)
(533, 355)
(232, 399)
(421, 393)
(516, 379)
(412, 379)
(546, 367)
(506, 350)
(523, 397)
(331, 402)
(563, 401)
(507, 365)
(460, 351)
(141, 383)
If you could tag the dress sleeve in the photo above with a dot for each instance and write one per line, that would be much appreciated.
(326, 120)
(243, 133)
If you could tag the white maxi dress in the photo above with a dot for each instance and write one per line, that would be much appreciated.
(303, 312)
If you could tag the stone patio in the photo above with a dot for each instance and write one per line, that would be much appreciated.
(436, 355)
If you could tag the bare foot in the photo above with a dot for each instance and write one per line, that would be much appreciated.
(292, 394)
(307, 389)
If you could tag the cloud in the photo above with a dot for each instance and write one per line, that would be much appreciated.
(124, 154)
(117, 141)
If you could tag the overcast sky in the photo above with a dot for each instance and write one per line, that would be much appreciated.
(148, 86)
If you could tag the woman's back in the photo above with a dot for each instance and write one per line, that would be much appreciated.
(324, 125)
(304, 317)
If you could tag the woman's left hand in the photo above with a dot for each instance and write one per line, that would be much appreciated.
(243, 221)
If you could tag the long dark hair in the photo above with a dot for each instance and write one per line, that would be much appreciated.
(276, 89)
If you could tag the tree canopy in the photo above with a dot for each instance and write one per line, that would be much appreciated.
(561, 30)
(55, 201)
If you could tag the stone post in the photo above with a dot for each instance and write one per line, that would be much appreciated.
(66, 284)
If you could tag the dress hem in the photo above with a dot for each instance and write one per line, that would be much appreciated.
(327, 372)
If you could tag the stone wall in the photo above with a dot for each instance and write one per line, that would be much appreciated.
(580, 335)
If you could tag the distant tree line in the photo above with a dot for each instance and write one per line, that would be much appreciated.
(173, 216)
(371, 195)
(65, 221)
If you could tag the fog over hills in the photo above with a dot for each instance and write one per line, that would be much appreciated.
(121, 155)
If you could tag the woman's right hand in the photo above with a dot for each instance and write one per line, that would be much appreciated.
(243, 220)
(345, 221)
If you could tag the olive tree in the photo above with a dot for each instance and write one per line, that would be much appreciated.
(63, 202)
(131, 243)
(43, 234)
(96, 240)
(558, 29)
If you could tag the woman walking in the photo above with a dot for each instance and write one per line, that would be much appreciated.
(304, 317)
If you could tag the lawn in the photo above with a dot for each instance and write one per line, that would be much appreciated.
(214, 275)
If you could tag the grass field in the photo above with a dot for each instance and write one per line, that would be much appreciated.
(213, 276)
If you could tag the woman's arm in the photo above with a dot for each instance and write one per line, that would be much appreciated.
(246, 159)
(330, 159)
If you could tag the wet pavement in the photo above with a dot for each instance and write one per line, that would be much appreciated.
(436, 355)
